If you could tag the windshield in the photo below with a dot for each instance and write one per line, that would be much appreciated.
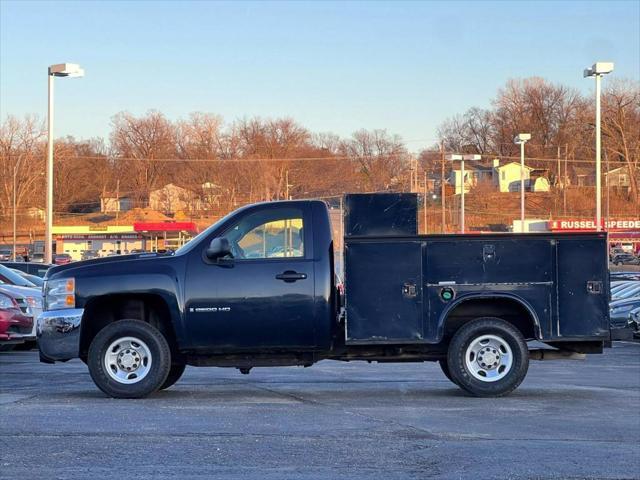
(12, 278)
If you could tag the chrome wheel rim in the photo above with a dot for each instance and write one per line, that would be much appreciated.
(489, 358)
(128, 360)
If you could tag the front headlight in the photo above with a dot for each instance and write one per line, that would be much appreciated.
(60, 294)
(7, 302)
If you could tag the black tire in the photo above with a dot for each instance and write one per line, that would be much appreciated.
(159, 361)
(466, 335)
(444, 366)
(175, 373)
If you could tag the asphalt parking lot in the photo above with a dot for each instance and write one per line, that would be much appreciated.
(569, 419)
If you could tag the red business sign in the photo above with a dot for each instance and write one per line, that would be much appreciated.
(164, 226)
(611, 225)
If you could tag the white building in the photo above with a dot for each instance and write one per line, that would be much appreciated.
(172, 198)
(112, 203)
(507, 177)
(473, 174)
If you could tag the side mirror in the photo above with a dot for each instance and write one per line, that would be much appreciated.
(218, 248)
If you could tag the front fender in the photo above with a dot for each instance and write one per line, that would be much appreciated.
(160, 277)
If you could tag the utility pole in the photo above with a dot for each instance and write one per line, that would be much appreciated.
(117, 200)
(287, 185)
(425, 202)
(442, 189)
(566, 180)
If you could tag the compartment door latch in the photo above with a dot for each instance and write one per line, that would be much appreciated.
(594, 287)
(409, 290)
(488, 253)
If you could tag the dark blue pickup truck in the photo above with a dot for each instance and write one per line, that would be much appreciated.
(258, 289)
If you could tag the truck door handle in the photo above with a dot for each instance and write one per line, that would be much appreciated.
(291, 276)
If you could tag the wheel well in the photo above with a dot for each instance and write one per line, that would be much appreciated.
(101, 311)
(507, 309)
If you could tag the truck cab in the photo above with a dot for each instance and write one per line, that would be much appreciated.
(258, 289)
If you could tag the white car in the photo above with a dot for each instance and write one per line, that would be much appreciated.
(26, 294)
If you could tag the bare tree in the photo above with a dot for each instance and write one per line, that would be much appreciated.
(138, 146)
(22, 155)
(621, 128)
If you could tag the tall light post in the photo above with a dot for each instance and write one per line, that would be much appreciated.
(15, 184)
(597, 70)
(58, 70)
(461, 158)
(521, 139)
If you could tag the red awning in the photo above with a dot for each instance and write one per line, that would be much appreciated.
(165, 227)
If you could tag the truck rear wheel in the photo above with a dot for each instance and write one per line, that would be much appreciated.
(175, 373)
(129, 359)
(488, 357)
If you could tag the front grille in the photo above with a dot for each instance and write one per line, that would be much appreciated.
(19, 329)
(22, 303)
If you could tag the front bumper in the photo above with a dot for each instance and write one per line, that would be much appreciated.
(58, 334)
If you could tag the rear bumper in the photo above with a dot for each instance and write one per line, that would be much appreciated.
(59, 334)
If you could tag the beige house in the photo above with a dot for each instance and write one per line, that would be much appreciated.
(173, 198)
(112, 203)
(618, 177)
(473, 174)
(507, 177)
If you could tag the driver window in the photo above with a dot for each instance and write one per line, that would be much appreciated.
(268, 234)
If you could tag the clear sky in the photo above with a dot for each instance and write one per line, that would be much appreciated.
(332, 66)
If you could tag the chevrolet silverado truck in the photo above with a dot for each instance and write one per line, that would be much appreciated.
(258, 288)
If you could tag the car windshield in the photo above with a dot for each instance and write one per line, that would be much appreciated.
(12, 278)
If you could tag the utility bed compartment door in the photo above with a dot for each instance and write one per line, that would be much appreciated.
(383, 282)
(583, 287)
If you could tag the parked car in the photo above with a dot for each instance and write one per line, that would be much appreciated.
(36, 280)
(626, 259)
(5, 254)
(616, 251)
(626, 290)
(634, 322)
(38, 269)
(619, 311)
(27, 295)
(624, 276)
(62, 259)
(9, 277)
(90, 255)
(37, 258)
(15, 325)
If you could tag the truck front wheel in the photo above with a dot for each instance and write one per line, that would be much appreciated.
(129, 359)
(488, 357)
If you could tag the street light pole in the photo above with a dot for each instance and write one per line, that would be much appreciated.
(15, 174)
(597, 70)
(58, 70)
(598, 157)
(521, 139)
(462, 195)
(48, 237)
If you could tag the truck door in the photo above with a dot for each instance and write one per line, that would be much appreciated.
(263, 297)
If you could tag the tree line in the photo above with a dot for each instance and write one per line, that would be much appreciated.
(256, 159)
